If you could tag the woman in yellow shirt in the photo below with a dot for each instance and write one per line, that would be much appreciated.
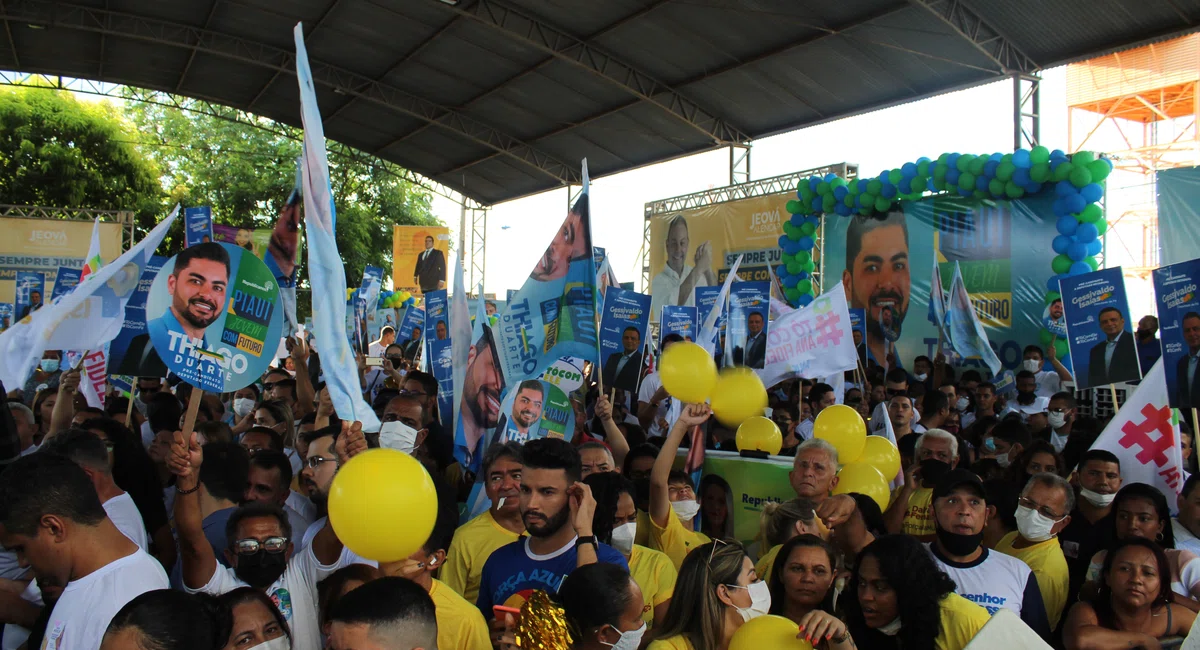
(898, 598)
(673, 503)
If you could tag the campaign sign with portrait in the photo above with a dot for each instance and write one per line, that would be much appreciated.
(677, 320)
(858, 329)
(410, 333)
(748, 306)
(1178, 302)
(131, 353)
(6, 315)
(31, 290)
(1098, 329)
(437, 315)
(623, 323)
(706, 301)
(535, 409)
(65, 280)
(441, 366)
(213, 316)
(198, 225)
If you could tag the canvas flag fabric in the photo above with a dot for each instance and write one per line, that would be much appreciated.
(937, 299)
(282, 250)
(967, 336)
(326, 272)
(708, 330)
(813, 341)
(93, 383)
(1144, 435)
(461, 338)
(92, 262)
(84, 319)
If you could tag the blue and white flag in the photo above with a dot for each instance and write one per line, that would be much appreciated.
(967, 336)
(937, 299)
(326, 271)
(708, 329)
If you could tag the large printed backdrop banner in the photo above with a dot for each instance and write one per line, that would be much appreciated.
(43, 245)
(714, 236)
(409, 261)
(1002, 247)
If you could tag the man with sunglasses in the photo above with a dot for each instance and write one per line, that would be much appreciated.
(260, 550)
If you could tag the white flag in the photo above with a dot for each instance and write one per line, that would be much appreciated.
(811, 342)
(87, 318)
(95, 364)
(708, 329)
(1144, 434)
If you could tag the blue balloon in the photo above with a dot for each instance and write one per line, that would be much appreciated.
(1064, 189)
(830, 177)
(1021, 159)
(930, 186)
(998, 157)
(805, 300)
(803, 275)
(1060, 244)
(1055, 162)
(952, 160)
(1067, 225)
(781, 270)
(1033, 187)
(797, 220)
(989, 168)
(1058, 153)
(862, 185)
(1059, 208)
(813, 182)
(840, 192)
(790, 281)
(1094, 247)
(962, 191)
(784, 241)
(1077, 251)
(1021, 177)
(1052, 283)
(981, 182)
(888, 192)
(1079, 268)
(908, 169)
(1075, 203)
(1092, 192)
(806, 243)
(815, 221)
(952, 175)
(883, 176)
(842, 209)
(1086, 233)
(817, 205)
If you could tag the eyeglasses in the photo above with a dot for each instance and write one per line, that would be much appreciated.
(1044, 510)
(268, 385)
(414, 393)
(314, 462)
(250, 546)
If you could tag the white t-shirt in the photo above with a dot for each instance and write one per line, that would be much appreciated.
(126, 517)
(993, 581)
(668, 409)
(302, 505)
(294, 593)
(82, 614)
(352, 557)
(293, 457)
(15, 635)
(1048, 383)
(664, 290)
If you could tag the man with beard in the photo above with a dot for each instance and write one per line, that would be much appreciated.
(992, 580)
(482, 385)
(526, 410)
(877, 275)
(260, 551)
(572, 242)
(911, 511)
(197, 287)
(557, 509)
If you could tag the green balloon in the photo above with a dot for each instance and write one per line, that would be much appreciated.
(1060, 264)
(976, 166)
(1061, 348)
(792, 293)
(838, 181)
(1040, 172)
(882, 204)
(787, 258)
(1101, 227)
(808, 267)
(1013, 190)
(1092, 262)
(1051, 296)
(1063, 171)
(848, 200)
(1083, 158)
(792, 206)
(1006, 157)
(943, 158)
(1044, 336)
(917, 184)
(795, 267)
(1080, 176)
(964, 162)
(866, 210)
(1100, 170)
(852, 188)
(923, 168)
(804, 286)
(828, 203)
(894, 176)
(807, 229)
(939, 172)
(1004, 171)
(1039, 155)
(824, 188)
(1091, 214)
(996, 186)
(874, 186)
(803, 257)
(966, 181)
(979, 194)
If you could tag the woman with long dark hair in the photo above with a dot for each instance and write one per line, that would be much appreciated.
(169, 620)
(899, 598)
(802, 587)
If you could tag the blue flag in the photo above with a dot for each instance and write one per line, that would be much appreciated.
(967, 336)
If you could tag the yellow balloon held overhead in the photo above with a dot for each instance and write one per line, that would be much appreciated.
(843, 428)
(759, 434)
(864, 479)
(881, 453)
(687, 372)
(739, 394)
(768, 633)
(382, 505)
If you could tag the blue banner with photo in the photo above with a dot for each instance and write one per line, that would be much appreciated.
(706, 300)
(437, 316)
(141, 363)
(747, 338)
(1178, 302)
(678, 320)
(1099, 331)
(197, 223)
(441, 366)
(30, 291)
(623, 323)
(64, 281)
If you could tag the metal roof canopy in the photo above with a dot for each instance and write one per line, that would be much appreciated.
(500, 99)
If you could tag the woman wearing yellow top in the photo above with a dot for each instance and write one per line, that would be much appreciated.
(673, 503)
(905, 601)
(615, 523)
(781, 522)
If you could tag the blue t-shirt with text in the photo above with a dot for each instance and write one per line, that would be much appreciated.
(512, 573)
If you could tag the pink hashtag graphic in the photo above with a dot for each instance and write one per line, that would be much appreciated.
(827, 329)
(1138, 434)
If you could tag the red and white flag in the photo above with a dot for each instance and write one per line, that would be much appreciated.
(1144, 434)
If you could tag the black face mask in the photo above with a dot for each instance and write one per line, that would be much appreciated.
(1026, 396)
(1145, 335)
(958, 544)
(932, 470)
(261, 569)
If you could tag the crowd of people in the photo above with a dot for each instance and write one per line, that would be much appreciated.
(120, 530)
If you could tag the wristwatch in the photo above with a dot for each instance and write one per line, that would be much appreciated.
(590, 539)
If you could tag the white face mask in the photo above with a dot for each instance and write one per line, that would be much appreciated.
(1097, 499)
(962, 404)
(1032, 365)
(399, 436)
(1003, 460)
(1033, 525)
(281, 643)
(921, 377)
(242, 406)
(629, 640)
(686, 510)
(1057, 420)
(622, 537)
(760, 600)
(891, 629)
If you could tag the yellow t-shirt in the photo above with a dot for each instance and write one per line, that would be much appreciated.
(654, 575)
(642, 536)
(1048, 563)
(677, 642)
(460, 624)
(473, 542)
(961, 621)
(675, 540)
(918, 517)
(763, 567)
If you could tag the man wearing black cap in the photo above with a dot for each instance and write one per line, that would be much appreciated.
(991, 580)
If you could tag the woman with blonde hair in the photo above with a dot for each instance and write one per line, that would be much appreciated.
(781, 522)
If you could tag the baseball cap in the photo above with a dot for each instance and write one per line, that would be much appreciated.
(955, 478)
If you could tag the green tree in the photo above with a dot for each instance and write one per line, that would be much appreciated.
(57, 151)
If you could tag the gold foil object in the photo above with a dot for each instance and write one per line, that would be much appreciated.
(542, 625)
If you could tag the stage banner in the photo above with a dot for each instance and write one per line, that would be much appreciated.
(748, 305)
(143, 362)
(1175, 290)
(419, 255)
(198, 224)
(1006, 283)
(750, 484)
(623, 324)
(1098, 329)
(677, 320)
(696, 247)
(437, 315)
(441, 366)
(31, 290)
(43, 245)
(64, 281)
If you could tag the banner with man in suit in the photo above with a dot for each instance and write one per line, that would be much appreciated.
(1179, 331)
(419, 258)
(623, 323)
(748, 305)
(1097, 314)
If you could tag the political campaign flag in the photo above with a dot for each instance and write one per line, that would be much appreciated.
(461, 340)
(92, 262)
(1099, 330)
(623, 325)
(677, 320)
(937, 300)
(84, 319)
(197, 225)
(1144, 434)
(1175, 291)
(813, 341)
(708, 330)
(326, 272)
(283, 252)
(967, 336)
(64, 280)
(747, 326)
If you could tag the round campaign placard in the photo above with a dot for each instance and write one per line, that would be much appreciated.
(213, 316)
(535, 409)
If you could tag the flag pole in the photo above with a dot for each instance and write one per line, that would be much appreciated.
(1113, 389)
(189, 420)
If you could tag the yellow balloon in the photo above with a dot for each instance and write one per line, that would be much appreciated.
(382, 504)
(844, 428)
(739, 394)
(770, 631)
(687, 372)
(759, 434)
(881, 453)
(864, 479)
